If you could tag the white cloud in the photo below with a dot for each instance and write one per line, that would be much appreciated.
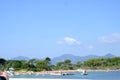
(113, 38)
(69, 41)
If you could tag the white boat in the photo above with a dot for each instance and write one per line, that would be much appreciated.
(60, 73)
(84, 72)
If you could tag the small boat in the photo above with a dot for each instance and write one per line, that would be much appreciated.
(60, 73)
(84, 72)
(66, 73)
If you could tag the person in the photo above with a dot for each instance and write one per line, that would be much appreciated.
(3, 75)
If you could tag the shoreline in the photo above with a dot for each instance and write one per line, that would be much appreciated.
(60, 71)
(43, 79)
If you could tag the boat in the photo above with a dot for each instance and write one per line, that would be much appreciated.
(67, 73)
(84, 72)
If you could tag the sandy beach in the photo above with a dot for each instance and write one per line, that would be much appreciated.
(59, 71)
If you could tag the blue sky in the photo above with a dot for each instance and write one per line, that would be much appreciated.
(41, 28)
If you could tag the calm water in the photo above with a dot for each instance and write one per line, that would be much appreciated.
(113, 75)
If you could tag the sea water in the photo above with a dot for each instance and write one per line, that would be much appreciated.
(111, 75)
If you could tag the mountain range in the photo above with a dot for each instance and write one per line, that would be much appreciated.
(75, 59)
(21, 58)
(71, 57)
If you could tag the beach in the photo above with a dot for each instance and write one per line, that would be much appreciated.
(62, 71)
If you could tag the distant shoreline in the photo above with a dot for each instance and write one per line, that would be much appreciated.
(59, 71)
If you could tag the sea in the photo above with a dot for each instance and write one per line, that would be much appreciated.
(111, 75)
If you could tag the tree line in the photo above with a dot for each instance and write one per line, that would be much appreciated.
(46, 64)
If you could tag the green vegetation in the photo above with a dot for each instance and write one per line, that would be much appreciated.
(46, 65)
(103, 63)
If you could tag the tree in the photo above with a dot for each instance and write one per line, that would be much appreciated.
(78, 64)
(67, 64)
(31, 63)
(47, 59)
(24, 64)
(40, 65)
(60, 65)
(48, 63)
(2, 63)
(17, 64)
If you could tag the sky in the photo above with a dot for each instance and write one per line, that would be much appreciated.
(50, 28)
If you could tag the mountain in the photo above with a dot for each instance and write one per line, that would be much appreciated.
(109, 55)
(21, 58)
(71, 57)
(64, 57)
(75, 59)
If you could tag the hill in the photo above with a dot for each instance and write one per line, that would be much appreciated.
(75, 59)
(21, 58)
(71, 57)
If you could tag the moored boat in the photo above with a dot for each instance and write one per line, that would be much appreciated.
(84, 72)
